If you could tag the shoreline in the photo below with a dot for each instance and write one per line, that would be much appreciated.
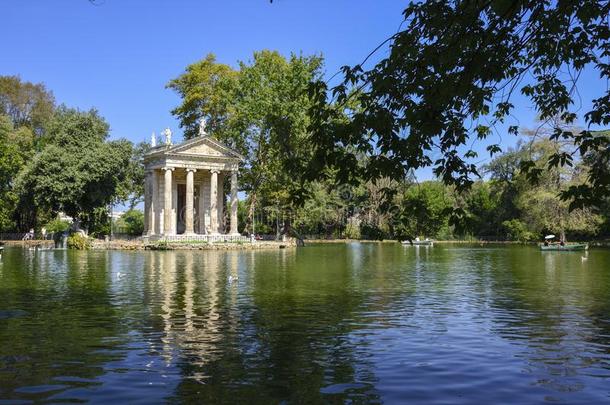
(140, 245)
(258, 245)
(595, 243)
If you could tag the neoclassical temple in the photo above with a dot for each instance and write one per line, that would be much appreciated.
(183, 192)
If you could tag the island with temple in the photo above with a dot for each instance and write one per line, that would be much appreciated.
(182, 201)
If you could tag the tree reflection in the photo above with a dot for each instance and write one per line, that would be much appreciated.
(271, 325)
(318, 324)
(69, 326)
(551, 302)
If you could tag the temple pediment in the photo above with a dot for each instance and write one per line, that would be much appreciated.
(184, 196)
(204, 146)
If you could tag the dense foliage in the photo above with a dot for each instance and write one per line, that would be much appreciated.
(59, 159)
(450, 79)
(131, 223)
(360, 156)
(261, 110)
(78, 241)
(340, 162)
(506, 205)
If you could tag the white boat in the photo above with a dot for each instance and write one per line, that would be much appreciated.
(417, 242)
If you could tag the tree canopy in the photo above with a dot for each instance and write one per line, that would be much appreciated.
(26, 104)
(14, 147)
(77, 171)
(59, 159)
(451, 76)
(260, 109)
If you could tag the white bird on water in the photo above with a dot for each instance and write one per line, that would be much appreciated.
(233, 278)
(119, 275)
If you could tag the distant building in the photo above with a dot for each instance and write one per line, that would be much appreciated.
(64, 217)
(116, 215)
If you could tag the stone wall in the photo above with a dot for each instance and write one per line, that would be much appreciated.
(139, 245)
(29, 243)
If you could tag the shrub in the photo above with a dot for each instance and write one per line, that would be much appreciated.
(57, 225)
(79, 241)
(517, 230)
(131, 222)
(373, 232)
(161, 245)
(352, 230)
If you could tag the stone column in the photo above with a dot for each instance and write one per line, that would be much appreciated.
(220, 203)
(214, 201)
(152, 219)
(234, 202)
(189, 217)
(147, 196)
(167, 201)
(202, 209)
(175, 213)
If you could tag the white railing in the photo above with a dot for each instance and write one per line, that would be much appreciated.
(200, 238)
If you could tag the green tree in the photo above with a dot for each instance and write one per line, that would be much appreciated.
(207, 89)
(131, 222)
(26, 104)
(481, 205)
(261, 110)
(544, 211)
(131, 189)
(600, 162)
(517, 230)
(57, 226)
(16, 147)
(424, 209)
(506, 182)
(78, 170)
(322, 213)
(451, 74)
(538, 206)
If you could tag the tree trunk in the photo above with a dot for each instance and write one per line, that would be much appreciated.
(289, 230)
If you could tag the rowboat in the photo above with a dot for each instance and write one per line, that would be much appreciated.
(426, 242)
(566, 248)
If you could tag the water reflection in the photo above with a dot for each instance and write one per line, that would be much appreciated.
(549, 308)
(357, 322)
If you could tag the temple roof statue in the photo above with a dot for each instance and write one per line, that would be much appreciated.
(168, 136)
(202, 124)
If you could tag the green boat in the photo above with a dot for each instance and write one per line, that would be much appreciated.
(567, 247)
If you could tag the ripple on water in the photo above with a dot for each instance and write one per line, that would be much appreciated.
(362, 323)
(39, 389)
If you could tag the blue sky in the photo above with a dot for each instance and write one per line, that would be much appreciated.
(117, 55)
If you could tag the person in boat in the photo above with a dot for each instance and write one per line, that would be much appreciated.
(546, 242)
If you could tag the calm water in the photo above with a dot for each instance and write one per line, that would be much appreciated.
(327, 323)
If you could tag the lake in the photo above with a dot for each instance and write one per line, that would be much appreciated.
(336, 323)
